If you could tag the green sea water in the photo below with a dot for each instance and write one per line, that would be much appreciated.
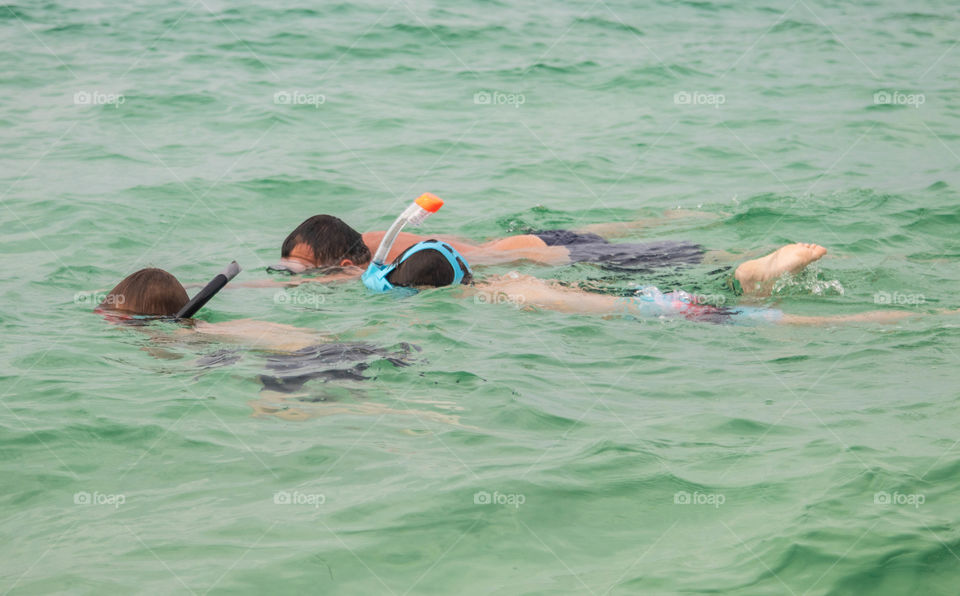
(522, 451)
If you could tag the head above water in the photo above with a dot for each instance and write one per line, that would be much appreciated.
(429, 267)
(324, 241)
(148, 292)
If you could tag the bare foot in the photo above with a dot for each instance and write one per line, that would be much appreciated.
(757, 276)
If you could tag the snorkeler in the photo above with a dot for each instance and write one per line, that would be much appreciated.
(434, 263)
(294, 356)
(324, 241)
(154, 294)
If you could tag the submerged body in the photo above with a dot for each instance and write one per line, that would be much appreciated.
(324, 241)
(650, 302)
(560, 247)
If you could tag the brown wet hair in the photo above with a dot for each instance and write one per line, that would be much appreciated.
(150, 292)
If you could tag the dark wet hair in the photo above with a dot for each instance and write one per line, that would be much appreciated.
(426, 267)
(331, 240)
(151, 292)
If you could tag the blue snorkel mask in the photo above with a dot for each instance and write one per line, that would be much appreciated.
(375, 277)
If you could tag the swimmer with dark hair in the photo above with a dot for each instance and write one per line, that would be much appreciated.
(324, 241)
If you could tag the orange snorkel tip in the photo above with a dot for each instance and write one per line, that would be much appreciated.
(429, 202)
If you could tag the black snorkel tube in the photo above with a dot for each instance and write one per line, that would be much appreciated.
(209, 291)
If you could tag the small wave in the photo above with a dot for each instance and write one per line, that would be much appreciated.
(13, 12)
(607, 25)
(526, 416)
(446, 33)
(919, 17)
(543, 67)
(649, 76)
(791, 25)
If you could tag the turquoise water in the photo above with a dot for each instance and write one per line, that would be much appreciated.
(617, 455)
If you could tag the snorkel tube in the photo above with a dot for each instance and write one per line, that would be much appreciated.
(375, 275)
(209, 291)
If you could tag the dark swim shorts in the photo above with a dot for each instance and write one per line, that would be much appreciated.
(591, 248)
(329, 362)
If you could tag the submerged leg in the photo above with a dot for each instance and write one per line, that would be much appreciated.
(874, 316)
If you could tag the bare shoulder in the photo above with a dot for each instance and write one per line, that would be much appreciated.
(263, 334)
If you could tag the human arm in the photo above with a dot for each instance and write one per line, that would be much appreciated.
(259, 334)
(523, 247)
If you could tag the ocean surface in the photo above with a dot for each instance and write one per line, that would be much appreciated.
(480, 448)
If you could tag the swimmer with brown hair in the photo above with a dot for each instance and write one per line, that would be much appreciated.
(154, 293)
(294, 355)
